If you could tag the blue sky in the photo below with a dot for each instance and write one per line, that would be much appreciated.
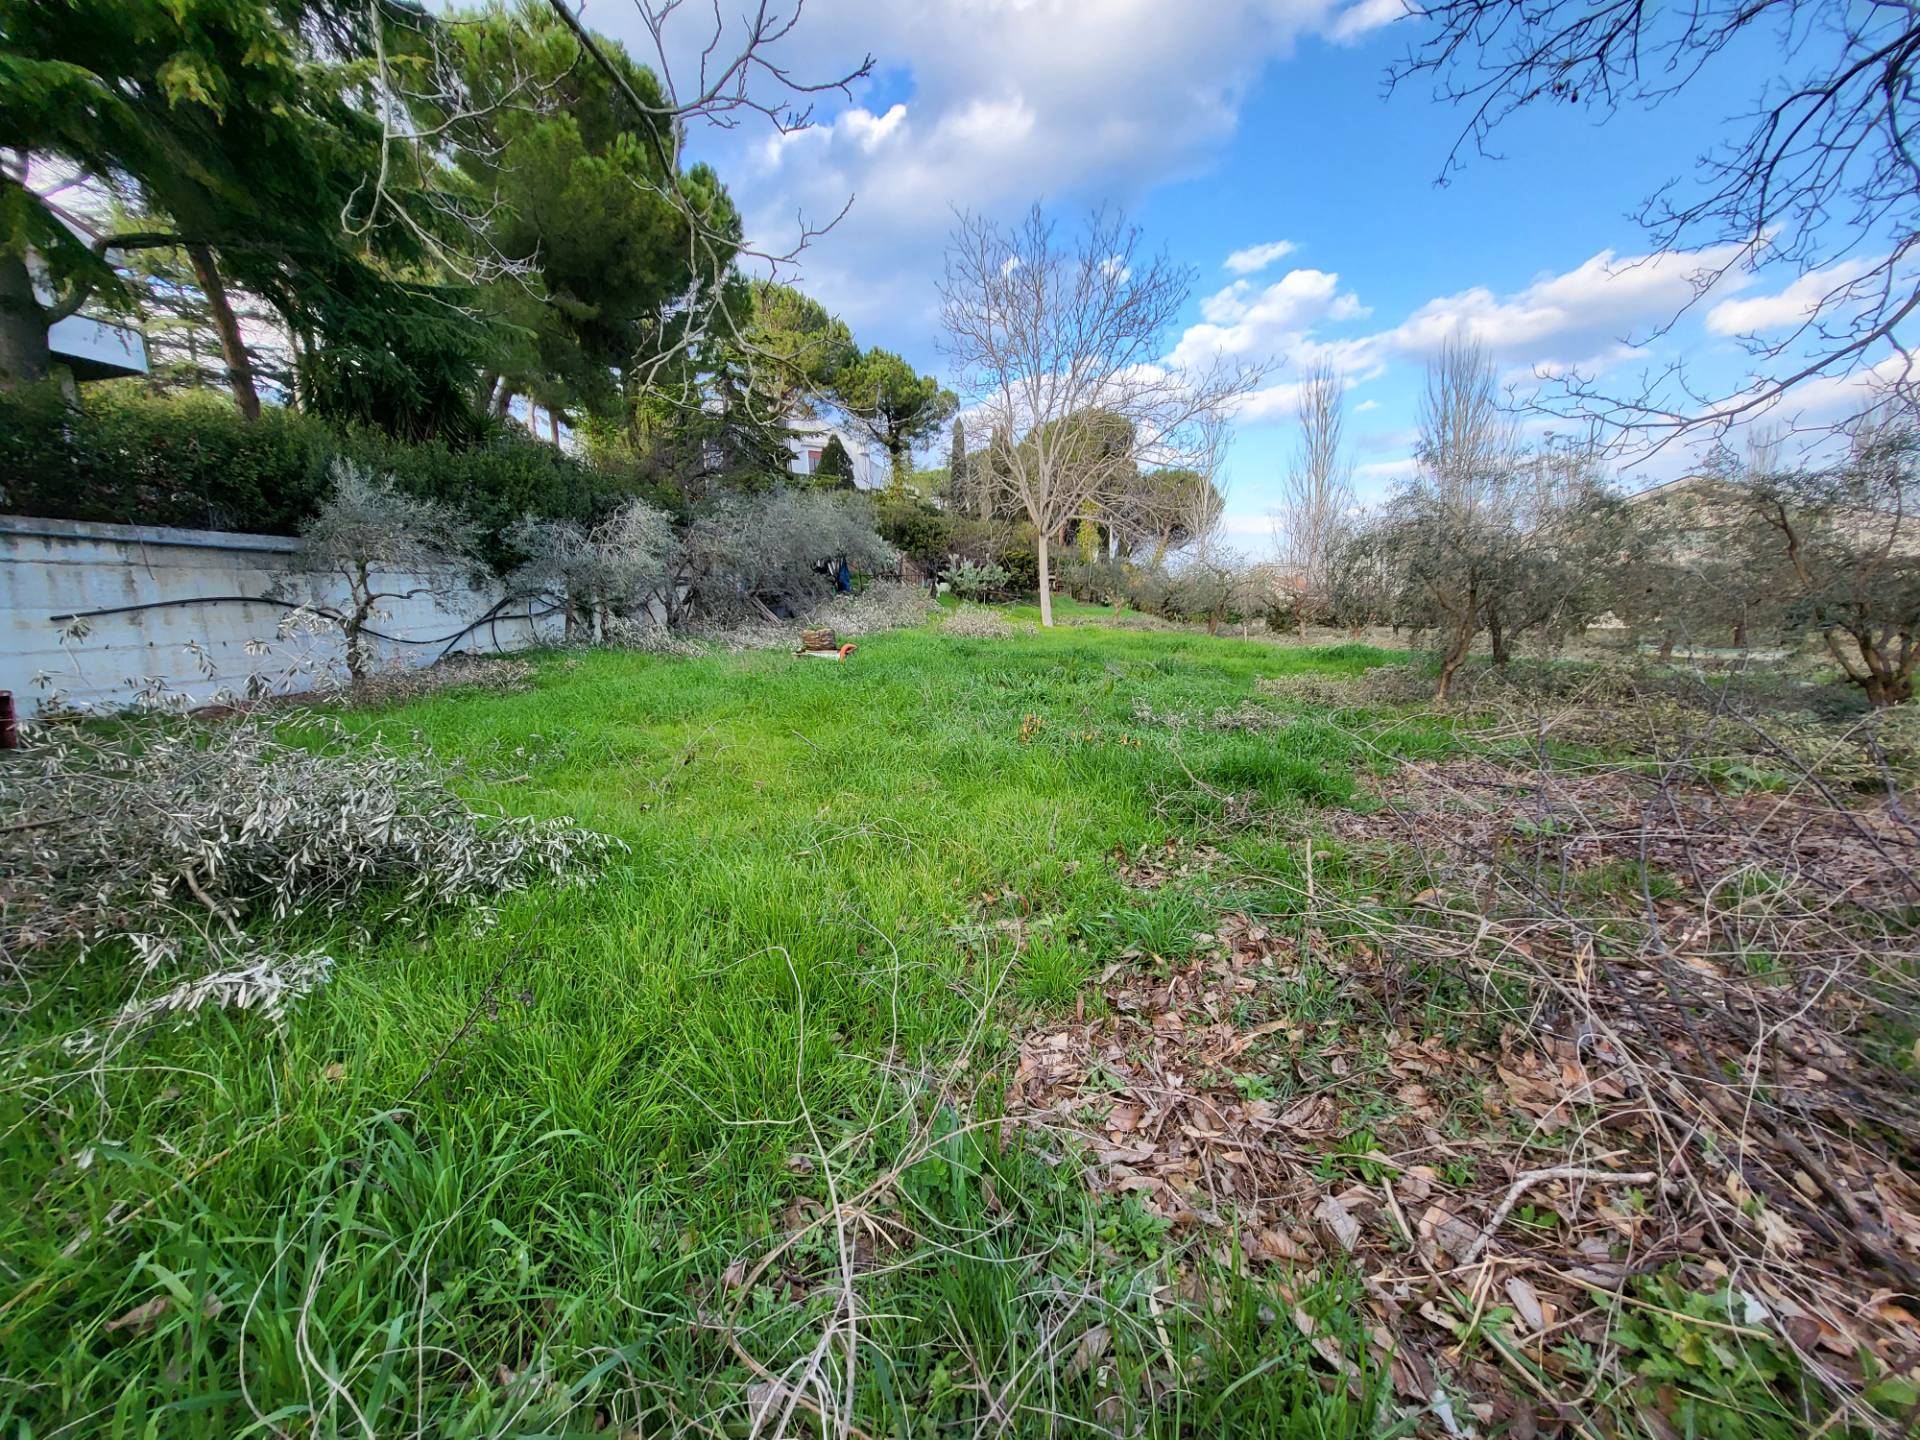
(1259, 126)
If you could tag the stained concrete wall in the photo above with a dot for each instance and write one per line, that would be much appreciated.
(151, 597)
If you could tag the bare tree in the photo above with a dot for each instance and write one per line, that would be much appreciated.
(1316, 496)
(1060, 344)
(1816, 185)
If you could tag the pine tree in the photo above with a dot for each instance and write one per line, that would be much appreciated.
(957, 465)
(835, 468)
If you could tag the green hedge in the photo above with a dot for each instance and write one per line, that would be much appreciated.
(137, 458)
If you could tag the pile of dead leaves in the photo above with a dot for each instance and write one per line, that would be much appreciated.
(1681, 827)
(1503, 1202)
(1151, 866)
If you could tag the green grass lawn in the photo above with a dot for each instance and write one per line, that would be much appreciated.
(503, 1182)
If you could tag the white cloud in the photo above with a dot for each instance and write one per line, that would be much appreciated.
(870, 131)
(1793, 306)
(1257, 257)
(1577, 320)
(1270, 402)
(1367, 15)
(1246, 321)
(1584, 315)
(982, 105)
(1381, 471)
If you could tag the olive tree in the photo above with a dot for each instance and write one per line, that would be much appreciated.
(386, 545)
(1851, 550)
(1445, 539)
(592, 572)
(1486, 538)
(749, 553)
(1696, 561)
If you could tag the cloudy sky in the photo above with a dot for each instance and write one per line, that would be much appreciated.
(1254, 141)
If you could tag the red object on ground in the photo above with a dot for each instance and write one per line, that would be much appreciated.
(846, 650)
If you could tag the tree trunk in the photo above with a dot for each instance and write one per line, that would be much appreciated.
(1046, 580)
(1455, 655)
(356, 643)
(232, 347)
(1497, 635)
(24, 357)
(1886, 686)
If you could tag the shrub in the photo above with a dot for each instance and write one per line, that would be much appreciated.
(1023, 569)
(1148, 590)
(1099, 581)
(971, 581)
(977, 622)
(915, 528)
(191, 459)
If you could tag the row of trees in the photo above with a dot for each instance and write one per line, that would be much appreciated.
(635, 569)
(1499, 541)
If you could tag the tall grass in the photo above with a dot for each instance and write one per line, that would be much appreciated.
(507, 1181)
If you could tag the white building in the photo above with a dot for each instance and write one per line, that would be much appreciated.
(807, 439)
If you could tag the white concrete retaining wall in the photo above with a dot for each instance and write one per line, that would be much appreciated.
(155, 600)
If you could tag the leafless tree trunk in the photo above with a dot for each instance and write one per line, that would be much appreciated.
(1062, 345)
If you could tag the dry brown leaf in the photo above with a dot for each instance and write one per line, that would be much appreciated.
(142, 1316)
(1526, 1303)
(1087, 1352)
(1274, 1244)
(1339, 1222)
